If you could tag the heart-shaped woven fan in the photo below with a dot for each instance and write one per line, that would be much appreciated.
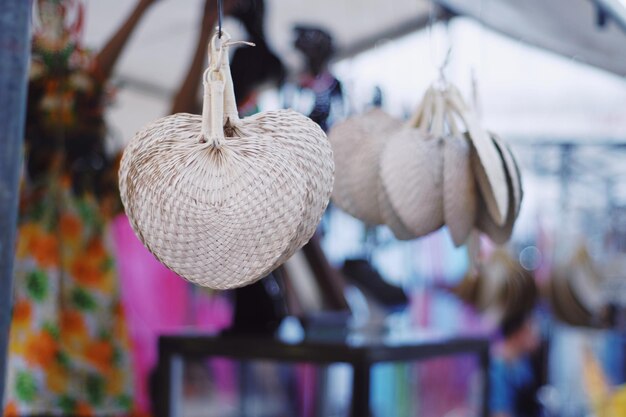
(412, 174)
(459, 192)
(411, 169)
(223, 201)
(357, 145)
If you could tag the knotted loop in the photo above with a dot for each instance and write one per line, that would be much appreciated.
(219, 106)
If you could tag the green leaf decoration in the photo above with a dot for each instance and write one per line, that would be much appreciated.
(95, 389)
(37, 285)
(117, 357)
(67, 404)
(125, 401)
(63, 359)
(108, 264)
(53, 329)
(85, 212)
(25, 387)
(83, 300)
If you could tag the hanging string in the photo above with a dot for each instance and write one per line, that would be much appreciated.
(440, 63)
(220, 15)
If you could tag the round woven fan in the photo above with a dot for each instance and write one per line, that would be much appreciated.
(223, 201)
(357, 145)
(459, 191)
(412, 171)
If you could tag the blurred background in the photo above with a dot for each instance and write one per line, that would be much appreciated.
(547, 75)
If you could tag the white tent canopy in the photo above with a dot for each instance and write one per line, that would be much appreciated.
(567, 27)
(522, 92)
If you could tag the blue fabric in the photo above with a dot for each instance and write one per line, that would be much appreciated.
(14, 53)
(508, 379)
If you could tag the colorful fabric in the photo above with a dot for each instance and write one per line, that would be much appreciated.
(157, 301)
(68, 348)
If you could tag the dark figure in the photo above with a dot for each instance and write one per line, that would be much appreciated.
(514, 382)
(317, 47)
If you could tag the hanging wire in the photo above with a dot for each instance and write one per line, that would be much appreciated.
(440, 63)
(220, 15)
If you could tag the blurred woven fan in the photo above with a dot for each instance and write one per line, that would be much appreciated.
(440, 168)
(499, 287)
(574, 290)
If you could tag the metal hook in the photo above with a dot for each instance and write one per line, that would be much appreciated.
(442, 68)
(220, 16)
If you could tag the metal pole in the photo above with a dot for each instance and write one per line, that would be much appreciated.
(14, 59)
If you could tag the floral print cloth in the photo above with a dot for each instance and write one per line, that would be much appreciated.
(69, 352)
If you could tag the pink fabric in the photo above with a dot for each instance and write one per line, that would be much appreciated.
(157, 301)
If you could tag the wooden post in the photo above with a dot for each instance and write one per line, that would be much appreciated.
(14, 59)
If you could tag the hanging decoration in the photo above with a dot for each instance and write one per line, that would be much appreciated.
(223, 201)
(440, 168)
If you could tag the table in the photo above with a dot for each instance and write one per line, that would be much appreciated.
(359, 352)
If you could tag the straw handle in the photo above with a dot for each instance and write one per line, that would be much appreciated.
(213, 108)
(219, 48)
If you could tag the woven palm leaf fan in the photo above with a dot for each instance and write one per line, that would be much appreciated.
(484, 222)
(487, 164)
(459, 190)
(223, 201)
(357, 144)
(412, 169)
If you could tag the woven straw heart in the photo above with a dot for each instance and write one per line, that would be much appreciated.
(412, 174)
(357, 144)
(392, 220)
(459, 191)
(311, 150)
(223, 201)
(412, 169)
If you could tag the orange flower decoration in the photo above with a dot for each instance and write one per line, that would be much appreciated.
(70, 226)
(115, 382)
(83, 410)
(100, 355)
(40, 349)
(57, 379)
(96, 250)
(87, 272)
(27, 234)
(22, 314)
(45, 250)
(11, 410)
(72, 323)
(74, 331)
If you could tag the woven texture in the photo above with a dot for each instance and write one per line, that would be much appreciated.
(222, 201)
(500, 234)
(411, 171)
(357, 146)
(487, 164)
(459, 191)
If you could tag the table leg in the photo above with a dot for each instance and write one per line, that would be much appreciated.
(361, 390)
(162, 382)
(484, 363)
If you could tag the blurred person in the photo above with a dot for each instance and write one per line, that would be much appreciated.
(514, 382)
(317, 47)
(68, 346)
